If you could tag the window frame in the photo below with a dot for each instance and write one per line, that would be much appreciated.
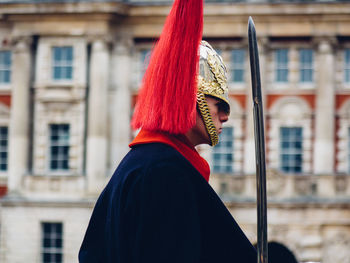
(291, 151)
(52, 237)
(220, 150)
(281, 65)
(145, 56)
(346, 78)
(62, 64)
(5, 67)
(307, 66)
(238, 65)
(60, 144)
(4, 151)
(348, 148)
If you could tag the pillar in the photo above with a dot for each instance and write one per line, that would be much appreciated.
(120, 94)
(324, 115)
(19, 121)
(97, 117)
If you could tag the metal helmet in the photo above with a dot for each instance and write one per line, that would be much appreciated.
(212, 81)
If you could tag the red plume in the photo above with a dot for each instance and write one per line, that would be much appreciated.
(167, 99)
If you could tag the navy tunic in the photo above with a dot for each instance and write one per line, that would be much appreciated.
(158, 208)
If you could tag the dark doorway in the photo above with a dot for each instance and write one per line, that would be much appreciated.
(278, 253)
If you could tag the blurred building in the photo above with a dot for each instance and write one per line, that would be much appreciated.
(69, 76)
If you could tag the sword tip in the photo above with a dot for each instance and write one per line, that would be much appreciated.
(251, 26)
(250, 22)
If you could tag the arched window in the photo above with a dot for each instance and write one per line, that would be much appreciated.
(289, 135)
(343, 139)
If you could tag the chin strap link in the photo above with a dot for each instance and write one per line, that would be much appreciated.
(208, 121)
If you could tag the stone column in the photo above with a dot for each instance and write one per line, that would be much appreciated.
(97, 117)
(19, 121)
(120, 101)
(324, 115)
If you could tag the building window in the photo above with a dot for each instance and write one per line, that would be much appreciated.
(52, 242)
(5, 67)
(237, 65)
(349, 150)
(281, 63)
(145, 58)
(223, 152)
(59, 147)
(347, 65)
(62, 63)
(3, 148)
(306, 65)
(291, 149)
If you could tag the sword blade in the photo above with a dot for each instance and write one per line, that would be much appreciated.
(259, 144)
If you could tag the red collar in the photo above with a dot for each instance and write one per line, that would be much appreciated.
(179, 143)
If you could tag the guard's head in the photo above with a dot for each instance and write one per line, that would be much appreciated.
(212, 82)
(180, 73)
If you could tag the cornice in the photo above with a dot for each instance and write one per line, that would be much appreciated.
(18, 201)
(306, 202)
(51, 8)
(132, 8)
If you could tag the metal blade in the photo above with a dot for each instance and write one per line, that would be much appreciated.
(259, 144)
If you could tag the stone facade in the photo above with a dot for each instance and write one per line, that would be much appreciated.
(21, 235)
(308, 211)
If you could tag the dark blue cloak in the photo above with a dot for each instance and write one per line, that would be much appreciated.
(157, 208)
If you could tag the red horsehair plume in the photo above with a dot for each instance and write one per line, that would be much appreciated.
(167, 98)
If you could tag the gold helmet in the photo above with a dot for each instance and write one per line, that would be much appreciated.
(212, 81)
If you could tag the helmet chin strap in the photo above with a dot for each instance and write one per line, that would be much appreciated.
(207, 119)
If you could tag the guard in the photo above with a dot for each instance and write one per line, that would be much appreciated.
(158, 206)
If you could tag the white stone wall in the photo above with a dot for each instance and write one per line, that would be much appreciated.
(59, 102)
(120, 99)
(339, 66)
(43, 71)
(21, 230)
(293, 85)
(313, 234)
